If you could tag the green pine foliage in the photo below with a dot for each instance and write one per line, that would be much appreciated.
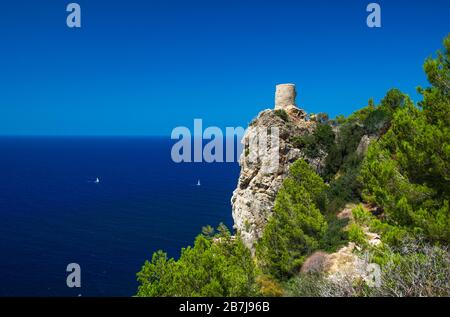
(217, 265)
(297, 226)
(405, 174)
(320, 141)
(408, 171)
(281, 114)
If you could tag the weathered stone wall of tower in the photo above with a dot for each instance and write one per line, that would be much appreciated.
(285, 95)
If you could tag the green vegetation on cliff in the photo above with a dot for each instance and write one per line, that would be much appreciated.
(407, 172)
(393, 157)
(217, 265)
(297, 225)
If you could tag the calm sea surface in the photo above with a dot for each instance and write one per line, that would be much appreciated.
(52, 212)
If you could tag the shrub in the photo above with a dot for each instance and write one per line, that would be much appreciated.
(361, 216)
(339, 120)
(343, 190)
(395, 179)
(335, 237)
(320, 141)
(318, 285)
(356, 234)
(306, 285)
(393, 101)
(296, 226)
(322, 118)
(314, 263)
(407, 171)
(269, 287)
(378, 120)
(281, 114)
(341, 156)
(214, 266)
(324, 136)
(308, 144)
(415, 269)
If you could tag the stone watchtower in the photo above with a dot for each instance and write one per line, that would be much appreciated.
(285, 95)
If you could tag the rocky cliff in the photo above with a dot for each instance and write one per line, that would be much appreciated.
(254, 197)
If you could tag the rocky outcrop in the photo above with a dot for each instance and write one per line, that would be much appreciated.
(363, 145)
(348, 263)
(263, 170)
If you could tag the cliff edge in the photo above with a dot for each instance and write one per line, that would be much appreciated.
(254, 197)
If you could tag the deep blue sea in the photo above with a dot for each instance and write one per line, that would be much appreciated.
(52, 213)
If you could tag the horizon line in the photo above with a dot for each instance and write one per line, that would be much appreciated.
(85, 135)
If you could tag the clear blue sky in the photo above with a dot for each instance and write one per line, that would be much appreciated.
(145, 67)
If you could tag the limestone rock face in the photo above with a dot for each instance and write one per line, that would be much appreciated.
(364, 145)
(345, 264)
(263, 172)
(342, 267)
(297, 115)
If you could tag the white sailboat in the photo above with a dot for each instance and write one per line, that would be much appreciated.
(97, 180)
(198, 183)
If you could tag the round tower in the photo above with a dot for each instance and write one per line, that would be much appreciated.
(285, 96)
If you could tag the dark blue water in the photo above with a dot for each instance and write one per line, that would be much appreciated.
(52, 214)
